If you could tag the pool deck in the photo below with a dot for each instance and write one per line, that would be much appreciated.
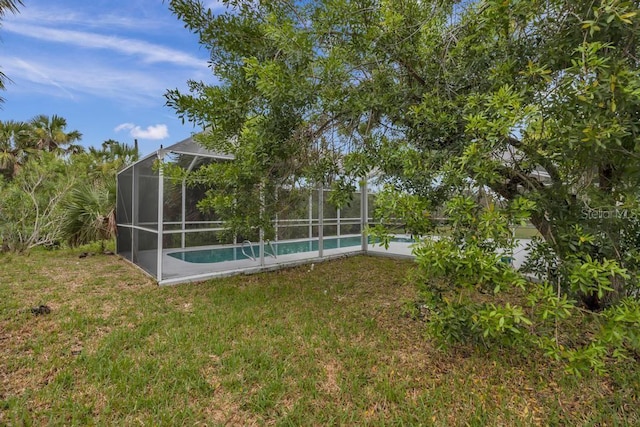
(175, 271)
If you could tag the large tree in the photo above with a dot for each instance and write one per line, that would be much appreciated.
(264, 123)
(503, 110)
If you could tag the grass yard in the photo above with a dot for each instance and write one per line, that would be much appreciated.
(322, 346)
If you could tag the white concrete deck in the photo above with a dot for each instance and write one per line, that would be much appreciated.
(176, 271)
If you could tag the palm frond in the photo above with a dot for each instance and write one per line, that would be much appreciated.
(89, 214)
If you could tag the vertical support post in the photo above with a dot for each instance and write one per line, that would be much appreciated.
(261, 246)
(364, 214)
(184, 213)
(310, 216)
(134, 214)
(262, 199)
(320, 220)
(235, 249)
(118, 195)
(338, 221)
(160, 216)
(235, 236)
(275, 224)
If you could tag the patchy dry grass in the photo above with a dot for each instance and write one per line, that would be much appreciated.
(295, 347)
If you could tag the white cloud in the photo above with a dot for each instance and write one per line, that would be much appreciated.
(150, 52)
(155, 132)
(86, 77)
(36, 74)
(73, 18)
(122, 17)
(71, 54)
(124, 126)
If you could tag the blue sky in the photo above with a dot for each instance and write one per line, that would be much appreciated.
(104, 65)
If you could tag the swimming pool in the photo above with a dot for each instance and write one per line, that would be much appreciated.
(235, 253)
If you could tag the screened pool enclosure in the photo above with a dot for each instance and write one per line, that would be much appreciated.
(161, 230)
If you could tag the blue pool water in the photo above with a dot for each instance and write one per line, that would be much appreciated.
(206, 256)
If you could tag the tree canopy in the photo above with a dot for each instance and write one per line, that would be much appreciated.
(19, 140)
(502, 111)
(52, 190)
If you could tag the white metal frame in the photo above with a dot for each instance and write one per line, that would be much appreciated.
(310, 221)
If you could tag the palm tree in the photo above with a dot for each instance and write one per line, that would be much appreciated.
(90, 213)
(113, 151)
(14, 137)
(91, 207)
(7, 6)
(105, 162)
(49, 134)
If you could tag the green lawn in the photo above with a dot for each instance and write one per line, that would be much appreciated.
(322, 346)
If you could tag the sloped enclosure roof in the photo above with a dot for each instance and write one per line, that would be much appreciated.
(187, 147)
(191, 147)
